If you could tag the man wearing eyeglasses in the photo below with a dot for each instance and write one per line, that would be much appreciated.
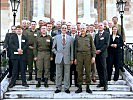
(7, 48)
(63, 49)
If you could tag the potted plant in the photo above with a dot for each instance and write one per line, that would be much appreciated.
(4, 63)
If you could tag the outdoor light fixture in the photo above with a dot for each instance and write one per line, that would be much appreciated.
(15, 5)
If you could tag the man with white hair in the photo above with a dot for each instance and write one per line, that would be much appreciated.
(101, 42)
(24, 25)
(110, 24)
(69, 24)
(63, 49)
(105, 23)
(84, 56)
(58, 31)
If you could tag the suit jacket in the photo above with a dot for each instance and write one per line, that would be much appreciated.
(102, 43)
(65, 52)
(14, 44)
(57, 32)
(53, 33)
(68, 32)
(6, 43)
(74, 40)
(119, 41)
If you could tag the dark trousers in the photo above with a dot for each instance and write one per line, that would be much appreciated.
(101, 69)
(73, 72)
(113, 59)
(10, 66)
(18, 64)
(52, 68)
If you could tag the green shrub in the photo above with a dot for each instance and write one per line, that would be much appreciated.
(4, 62)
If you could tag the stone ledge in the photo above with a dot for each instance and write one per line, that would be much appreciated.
(128, 78)
(72, 88)
(4, 85)
(63, 95)
(34, 82)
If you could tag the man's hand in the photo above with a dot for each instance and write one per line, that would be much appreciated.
(75, 61)
(51, 58)
(71, 62)
(31, 47)
(98, 51)
(35, 58)
(20, 51)
(114, 45)
(93, 60)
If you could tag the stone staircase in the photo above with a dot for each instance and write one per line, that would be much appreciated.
(118, 89)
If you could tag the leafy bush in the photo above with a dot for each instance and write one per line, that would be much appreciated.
(4, 62)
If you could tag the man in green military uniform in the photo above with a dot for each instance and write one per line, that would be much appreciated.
(43, 55)
(31, 36)
(84, 55)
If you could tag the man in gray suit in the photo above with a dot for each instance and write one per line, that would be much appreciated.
(63, 49)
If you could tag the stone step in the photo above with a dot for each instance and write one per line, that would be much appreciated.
(33, 82)
(33, 76)
(72, 88)
(72, 95)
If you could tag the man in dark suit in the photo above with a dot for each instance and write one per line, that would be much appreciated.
(52, 62)
(7, 48)
(73, 66)
(69, 24)
(18, 43)
(101, 42)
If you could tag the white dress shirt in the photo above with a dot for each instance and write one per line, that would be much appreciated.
(49, 32)
(20, 40)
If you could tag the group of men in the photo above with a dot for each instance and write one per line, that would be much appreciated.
(59, 51)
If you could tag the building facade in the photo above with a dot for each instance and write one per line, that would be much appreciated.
(85, 11)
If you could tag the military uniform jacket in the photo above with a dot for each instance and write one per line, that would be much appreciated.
(102, 43)
(85, 44)
(43, 44)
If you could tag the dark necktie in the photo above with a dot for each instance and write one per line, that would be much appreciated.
(63, 40)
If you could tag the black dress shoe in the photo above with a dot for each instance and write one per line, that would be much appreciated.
(38, 84)
(9, 76)
(89, 91)
(26, 85)
(11, 85)
(122, 69)
(67, 91)
(100, 85)
(52, 79)
(57, 91)
(105, 88)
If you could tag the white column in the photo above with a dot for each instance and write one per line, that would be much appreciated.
(70, 11)
(57, 10)
(86, 18)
